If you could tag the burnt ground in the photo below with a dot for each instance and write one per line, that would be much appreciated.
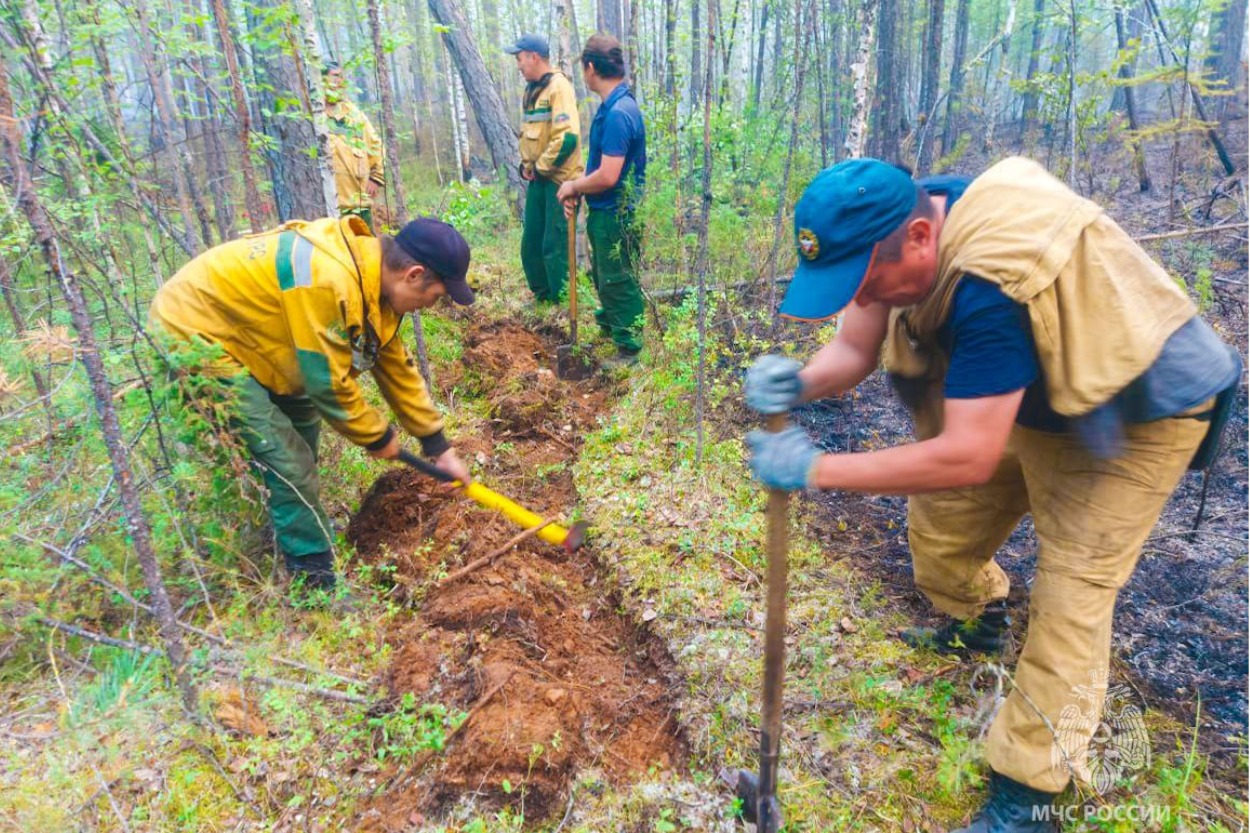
(555, 680)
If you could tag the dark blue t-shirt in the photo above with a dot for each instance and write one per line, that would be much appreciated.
(618, 130)
(990, 343)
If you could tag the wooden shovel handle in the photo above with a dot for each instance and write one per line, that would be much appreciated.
(573, 277)
(774, 648)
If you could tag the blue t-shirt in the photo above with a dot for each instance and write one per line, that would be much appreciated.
(618, 130)
(989, 340)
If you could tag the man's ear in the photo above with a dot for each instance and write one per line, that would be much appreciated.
(415, 274)
(920, 231)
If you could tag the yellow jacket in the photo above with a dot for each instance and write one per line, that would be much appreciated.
(550, 128)
(357, 153)
(300, 308)
(1101, 309)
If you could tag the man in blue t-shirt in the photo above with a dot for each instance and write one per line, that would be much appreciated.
(871, 241)
(616, 168)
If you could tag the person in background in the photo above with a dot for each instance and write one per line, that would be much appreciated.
(616, 166)
(356, 149)
(550, 134)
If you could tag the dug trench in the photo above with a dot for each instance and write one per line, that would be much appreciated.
(556, 680)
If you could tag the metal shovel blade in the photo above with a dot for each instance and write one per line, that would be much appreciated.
(746, 787)
(572, 363)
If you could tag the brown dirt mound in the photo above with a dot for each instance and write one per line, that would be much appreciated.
(553, 678)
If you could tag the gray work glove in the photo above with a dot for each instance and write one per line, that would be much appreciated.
(782, 460)
(773, 385)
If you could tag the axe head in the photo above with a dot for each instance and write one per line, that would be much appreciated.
(576, 537)
(765, 814)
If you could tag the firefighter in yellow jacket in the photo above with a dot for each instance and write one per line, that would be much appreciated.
(301, 312)
(550, 131)
(359, 161)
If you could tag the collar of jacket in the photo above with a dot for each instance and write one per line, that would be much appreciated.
(534, 88)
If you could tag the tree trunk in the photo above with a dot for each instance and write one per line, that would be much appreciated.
(837, 72)
(215, 162)
(950, 130)
(1224, 62)
(931, 71)
(761, 38)
(856, 133)
(609, 18)
(569, 45)
(459, 124)
(492, 119)
(294, 165)
(309, 62)
(1130, 105)
(257, 210)
(399, 210)
(888, 116)
(92, 359)
(670, 50)
(1128, 39)
(171, 148)
(696, 56)
(705, 214)
(1029, 112)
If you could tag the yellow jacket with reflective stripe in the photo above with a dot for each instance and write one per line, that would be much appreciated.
(1100, 307)
(300, 308)
(551, 129)
(357, 151)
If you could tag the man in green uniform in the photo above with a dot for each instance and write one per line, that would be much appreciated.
(615, 173)
(550, 131)
(300, 312)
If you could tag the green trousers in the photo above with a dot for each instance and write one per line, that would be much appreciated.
(545, 241)
(281, 432)
(614, 269)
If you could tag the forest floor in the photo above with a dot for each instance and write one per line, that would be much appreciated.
(604, 690)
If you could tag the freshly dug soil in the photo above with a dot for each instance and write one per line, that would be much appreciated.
(554, 678)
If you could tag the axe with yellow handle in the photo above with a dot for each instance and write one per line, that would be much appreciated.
(571, 539)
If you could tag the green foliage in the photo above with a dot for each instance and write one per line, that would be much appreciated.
(410, 729)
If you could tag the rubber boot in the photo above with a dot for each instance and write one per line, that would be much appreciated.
(312, 572)
(1013, 808)
(986, 633)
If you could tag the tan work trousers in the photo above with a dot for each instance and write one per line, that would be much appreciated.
(1092, 517)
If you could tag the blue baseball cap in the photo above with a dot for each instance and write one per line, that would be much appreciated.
(846, 210)
(529, 43)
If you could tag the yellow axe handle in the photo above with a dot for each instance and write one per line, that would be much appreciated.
(519, 515)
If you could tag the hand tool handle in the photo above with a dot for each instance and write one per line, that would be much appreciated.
(573, 277)
(768, 814)
(551, 533)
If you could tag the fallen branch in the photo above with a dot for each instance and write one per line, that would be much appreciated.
(479, 563)
(130, 645)
(1192, 231)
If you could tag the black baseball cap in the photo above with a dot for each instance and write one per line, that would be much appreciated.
(440, 248)
(529, 43)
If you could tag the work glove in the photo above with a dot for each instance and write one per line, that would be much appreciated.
(782, 460)
(773, 385)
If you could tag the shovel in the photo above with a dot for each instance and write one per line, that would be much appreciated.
(571, 363)
(759, 794)
(571, 539)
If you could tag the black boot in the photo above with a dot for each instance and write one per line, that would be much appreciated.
(987, 632)
(315, 570)
(1014, 808)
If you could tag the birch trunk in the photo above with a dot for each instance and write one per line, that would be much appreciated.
(856, 133)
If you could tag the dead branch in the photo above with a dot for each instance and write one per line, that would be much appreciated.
(1189, 232)
(477, 564)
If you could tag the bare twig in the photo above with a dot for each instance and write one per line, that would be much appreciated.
(478, 563)
(1192, 231)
